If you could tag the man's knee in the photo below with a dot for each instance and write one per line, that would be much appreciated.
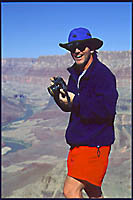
(67, 192)
(71, 192)
(72, 188)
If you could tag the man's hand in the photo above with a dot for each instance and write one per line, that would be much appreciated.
(63, 98)
(62, 95)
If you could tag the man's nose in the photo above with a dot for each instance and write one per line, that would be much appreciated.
(77, 50)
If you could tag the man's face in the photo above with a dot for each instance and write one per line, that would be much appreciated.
(81, 57)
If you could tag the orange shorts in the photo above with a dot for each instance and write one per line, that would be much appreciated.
(85, 164)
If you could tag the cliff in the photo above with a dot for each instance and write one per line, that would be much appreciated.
(30, 117)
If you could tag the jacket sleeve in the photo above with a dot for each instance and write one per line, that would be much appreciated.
(99, 105)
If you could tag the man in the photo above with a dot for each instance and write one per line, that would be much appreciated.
(90, 132)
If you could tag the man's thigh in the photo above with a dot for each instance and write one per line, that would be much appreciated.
(73, 184)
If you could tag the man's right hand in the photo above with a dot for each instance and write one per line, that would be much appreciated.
(62, 100)
(63, 97)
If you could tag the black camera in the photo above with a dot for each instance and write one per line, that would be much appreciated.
(54, 89)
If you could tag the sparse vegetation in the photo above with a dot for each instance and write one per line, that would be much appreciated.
(39, 170)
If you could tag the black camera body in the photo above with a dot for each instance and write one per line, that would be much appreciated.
(54, 89)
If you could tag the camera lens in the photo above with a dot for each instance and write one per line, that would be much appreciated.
(50, 91)
(53, 90)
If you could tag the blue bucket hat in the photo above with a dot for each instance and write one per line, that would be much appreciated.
(81, 36)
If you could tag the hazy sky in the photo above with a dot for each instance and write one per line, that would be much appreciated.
(36, 28)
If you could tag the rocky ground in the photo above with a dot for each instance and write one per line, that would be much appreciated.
(30, 117)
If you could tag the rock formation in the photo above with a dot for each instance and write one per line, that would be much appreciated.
(30, 117)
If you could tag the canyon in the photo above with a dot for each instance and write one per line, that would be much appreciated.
(31, 118)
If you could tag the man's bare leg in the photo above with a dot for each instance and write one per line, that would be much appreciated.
(73, 188)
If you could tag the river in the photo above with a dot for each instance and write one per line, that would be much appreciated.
(16, 145)
(13, 147)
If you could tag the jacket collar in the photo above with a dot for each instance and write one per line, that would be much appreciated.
(74, 71)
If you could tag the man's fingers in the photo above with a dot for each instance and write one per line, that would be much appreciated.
(62, 93)
(52, 80)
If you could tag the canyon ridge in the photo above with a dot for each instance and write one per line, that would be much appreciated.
(34, 150)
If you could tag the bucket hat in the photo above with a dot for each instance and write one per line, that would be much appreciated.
(81, 37)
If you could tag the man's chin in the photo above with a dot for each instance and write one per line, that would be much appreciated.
(81, 64)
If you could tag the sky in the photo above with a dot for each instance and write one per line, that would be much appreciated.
(33, 29)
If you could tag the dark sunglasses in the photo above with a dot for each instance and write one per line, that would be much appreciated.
(72, 46)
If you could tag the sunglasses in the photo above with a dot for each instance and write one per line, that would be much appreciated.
(73, 46)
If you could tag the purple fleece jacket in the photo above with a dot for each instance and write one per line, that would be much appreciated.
(94, 106)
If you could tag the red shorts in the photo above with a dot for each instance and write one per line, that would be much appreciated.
(88, 163)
